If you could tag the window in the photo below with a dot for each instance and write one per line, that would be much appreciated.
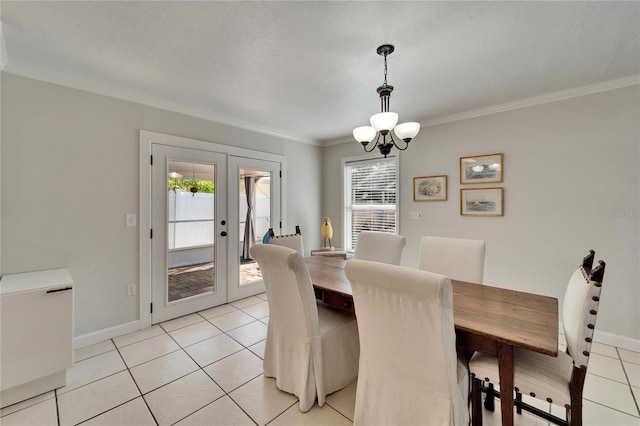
(370, 197)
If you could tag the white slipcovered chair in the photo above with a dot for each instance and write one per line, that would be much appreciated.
(558, 380)
(457, 258)
(409, 371)
(292, 241)
(380, 247)
(311, 350)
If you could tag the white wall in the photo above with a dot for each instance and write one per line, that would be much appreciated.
(70, 174)
(571, 184)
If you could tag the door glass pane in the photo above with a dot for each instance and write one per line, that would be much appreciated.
(190, 229)
(255, 219)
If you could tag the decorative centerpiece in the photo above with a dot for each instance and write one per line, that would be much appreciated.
(326, 232)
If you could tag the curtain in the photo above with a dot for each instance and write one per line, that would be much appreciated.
(249, 233)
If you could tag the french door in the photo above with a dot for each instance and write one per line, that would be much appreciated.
(189, 231)
(254, 206)
(207, 210)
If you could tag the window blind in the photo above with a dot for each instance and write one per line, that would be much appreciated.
(371, 194)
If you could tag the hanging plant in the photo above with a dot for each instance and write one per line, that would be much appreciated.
(192, 186)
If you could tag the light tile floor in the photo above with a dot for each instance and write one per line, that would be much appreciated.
(206, 369)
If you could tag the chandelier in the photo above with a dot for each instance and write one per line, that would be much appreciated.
(383, 123)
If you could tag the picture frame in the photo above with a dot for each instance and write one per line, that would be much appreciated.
(430, 188)
(481, 168)
(482, 201)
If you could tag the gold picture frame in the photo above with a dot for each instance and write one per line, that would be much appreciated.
(481, 169)
(430, 188)
(482, 201)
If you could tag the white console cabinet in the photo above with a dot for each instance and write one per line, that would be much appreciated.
(36, 333)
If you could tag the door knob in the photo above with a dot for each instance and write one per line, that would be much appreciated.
(223, 233)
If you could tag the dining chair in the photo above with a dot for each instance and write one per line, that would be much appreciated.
(311, 349)
(558, 380)
(380, 247)
(457, 258)
(409, 371)
(292, 241)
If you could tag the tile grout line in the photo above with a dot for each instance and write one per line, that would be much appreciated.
(610, 408)
(227, 394)
(202, 368)
(137, 386)
(121, 404)
(180, 348)
(633, 395)
(244, 347)
(55, 395)
(337, 411)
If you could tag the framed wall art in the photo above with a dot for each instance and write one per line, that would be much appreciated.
(481, 169)
(482, 202)
(430, 188)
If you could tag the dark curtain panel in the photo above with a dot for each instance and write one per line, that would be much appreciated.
(249, 233)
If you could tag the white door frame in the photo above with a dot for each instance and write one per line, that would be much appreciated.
(146, 139)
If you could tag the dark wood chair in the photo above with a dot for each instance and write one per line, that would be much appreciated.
(292, 241)
(557, 380)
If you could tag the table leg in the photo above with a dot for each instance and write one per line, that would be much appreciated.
(505, 368)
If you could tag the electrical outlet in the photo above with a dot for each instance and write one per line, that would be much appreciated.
(131, 290)
(130, 220)
(416, 215)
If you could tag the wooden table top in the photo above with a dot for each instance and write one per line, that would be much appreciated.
(516, 318)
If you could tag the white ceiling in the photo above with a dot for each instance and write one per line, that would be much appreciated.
(308, 70)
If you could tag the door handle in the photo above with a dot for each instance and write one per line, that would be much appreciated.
(223, 233)
(60, 289)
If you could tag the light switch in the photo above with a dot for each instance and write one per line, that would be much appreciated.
(130, 220)
(415, 215)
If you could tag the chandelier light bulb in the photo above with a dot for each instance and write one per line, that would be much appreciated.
(494, 166)
(407, 131)
(477, 169)
(364, 134)
(383, 122)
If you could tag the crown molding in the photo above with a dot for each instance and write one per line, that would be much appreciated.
(537, 100)
(127, 95)
(150, 101)
(523, 103)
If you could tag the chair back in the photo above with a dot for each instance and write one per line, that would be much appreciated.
(293, 313)
(458, 259)
(292, 241)
(380, 247)
(580, 308)
(408, 363)
(310, 350)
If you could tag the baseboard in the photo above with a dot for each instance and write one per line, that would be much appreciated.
(105, 334)
(616, 340)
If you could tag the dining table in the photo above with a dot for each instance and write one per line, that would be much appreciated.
(492, 320)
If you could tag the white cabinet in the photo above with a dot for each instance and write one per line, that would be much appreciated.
(36, 333)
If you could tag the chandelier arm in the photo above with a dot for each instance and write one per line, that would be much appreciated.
(406, 144)
(375, 144)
